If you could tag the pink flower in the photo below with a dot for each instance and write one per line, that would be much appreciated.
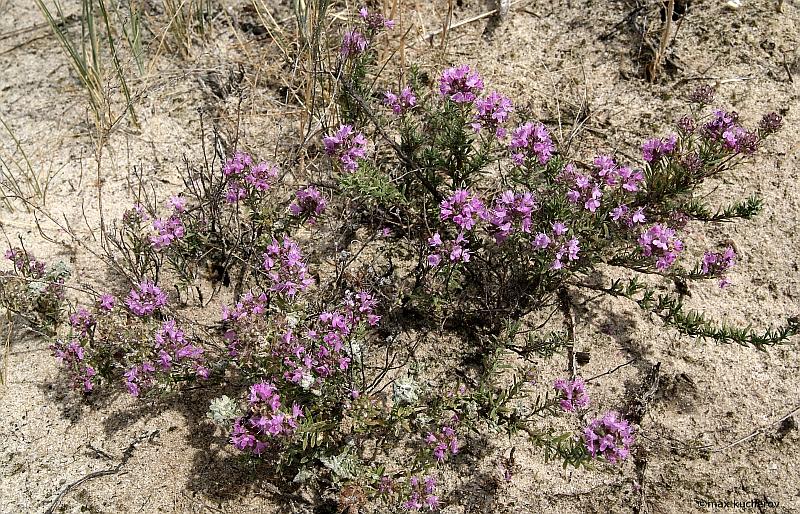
(145, 299)
(531, 141)
(659, 241)
(460, 84)
(400, 103)
(347, 145)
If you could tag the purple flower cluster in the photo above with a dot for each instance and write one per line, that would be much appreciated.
(82, 321)
(623, 214)
(771, 122)
(145, 299)
(25, 264)
(106, 302)
(511, 210)
(724, 127)
(564, 247)
(444, 442)
(353, 43)
(249, 305)
(455, 250)
(400, 103)
(616, 176)
(346, 145)
(610, 437)
(531, 141)
(139, 377)
(573, 394)
(173, 349)
(460, 84)
(244, 177)
(170, 353)
(654, 149)
(585, 189)
(267, 421)
(375, 21)
(422, 494)
(463, 208)
(491, 113)
(72, 356)
(321, 351)
(715, 264)
(309, 204)
(660, 241)
(168, 231)
(285, 267)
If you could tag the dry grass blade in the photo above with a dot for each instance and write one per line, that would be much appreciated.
(655, 67)
(86, 55)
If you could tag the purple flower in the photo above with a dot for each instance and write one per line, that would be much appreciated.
(242, 174)
(463, 208)
(310, 203)
(261, 176)
(686, 124)
(73, 357)
(531, 141)
(82, 321)
(703, 94)
(353, 43)
(167, 232)
(375, 21)
(285, 267)
(491, 113)
(401, 103)
(237, 164)
(541, 241)
(460, 84)
(444, 443)
(659, 241)
(720, 123)
(107, 301)
(178, 203)
(654, 149)
(715, 264)
(771, 122)
(347, 145)
(622, 214)
(145, 299)
(511, 210)
(570, 250)
(610, 437)
(452, 250)
(267, 421)
(573, 394)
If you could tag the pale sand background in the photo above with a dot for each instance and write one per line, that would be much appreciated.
(711, 395)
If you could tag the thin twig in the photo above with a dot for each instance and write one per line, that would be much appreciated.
(126, 455)
(447, 28)
(610, 371)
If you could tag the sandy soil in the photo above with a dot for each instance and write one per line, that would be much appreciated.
(694, 442)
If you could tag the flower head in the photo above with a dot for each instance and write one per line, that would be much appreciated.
(531, 141)
(573, 394)
(145, 299)
(460, 84)
(660, 241)
(610, 437)
(353, 43)
(402, 102)
(491, 112)
(310, 203)
(347, 145)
